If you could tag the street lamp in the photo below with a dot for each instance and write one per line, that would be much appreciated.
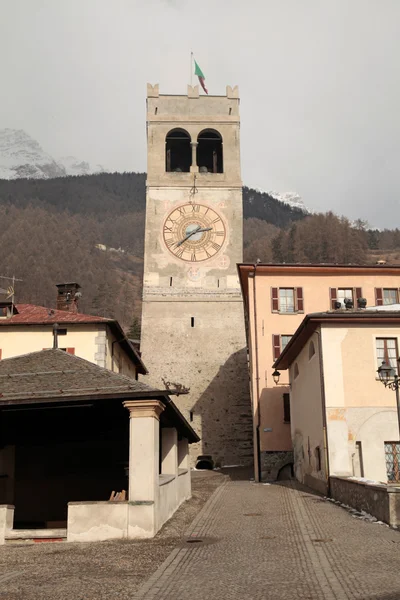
(276, 375)
(391, 380)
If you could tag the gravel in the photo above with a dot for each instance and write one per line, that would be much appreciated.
(96, 571)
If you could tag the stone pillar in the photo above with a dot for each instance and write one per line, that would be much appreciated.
(194, 168)
(183, 454)
(169, 451)
(6, 520)
(144, 445)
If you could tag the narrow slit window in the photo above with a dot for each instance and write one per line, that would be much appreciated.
(191, 321)
(156, 110)
(191, 416)
(170, 281)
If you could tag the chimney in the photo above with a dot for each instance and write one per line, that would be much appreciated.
(68, 295)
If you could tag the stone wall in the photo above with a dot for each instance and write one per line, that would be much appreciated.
(379, 500)
(272, 463)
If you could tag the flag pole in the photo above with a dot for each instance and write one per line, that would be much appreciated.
(191, 69)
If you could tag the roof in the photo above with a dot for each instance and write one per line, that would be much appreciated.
(30, 314)
(333, 317)
(53, 376)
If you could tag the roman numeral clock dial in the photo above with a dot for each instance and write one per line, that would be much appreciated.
(194, 232)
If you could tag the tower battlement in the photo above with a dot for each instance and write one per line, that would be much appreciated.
(192, 106)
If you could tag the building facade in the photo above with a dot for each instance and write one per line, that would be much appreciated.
(28, 328)
(276, 298)
(344, 421)
(192, 321)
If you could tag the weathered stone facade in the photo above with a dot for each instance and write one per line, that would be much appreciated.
(192, 322)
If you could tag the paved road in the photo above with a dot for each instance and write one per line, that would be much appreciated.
(278, 542)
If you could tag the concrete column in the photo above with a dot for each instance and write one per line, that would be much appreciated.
(183, 454)
(194, 168)
(169, 451)
(6, 520)
(144, 449)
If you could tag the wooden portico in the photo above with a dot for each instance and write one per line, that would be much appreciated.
(66, 440)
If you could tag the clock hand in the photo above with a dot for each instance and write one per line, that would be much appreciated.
(198, 228)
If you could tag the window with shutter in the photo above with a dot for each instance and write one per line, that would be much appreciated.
(378, 296)
(0, 353)
(70, 350)
(276, 345)
(333, 297)
(275, 299)
(300, 299)
(358, 293)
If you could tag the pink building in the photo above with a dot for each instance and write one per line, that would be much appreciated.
(276, 298)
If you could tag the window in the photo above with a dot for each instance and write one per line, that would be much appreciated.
(386, 296)
(392, 458)
(209, 152)
(311, 350)
(345, 294)
(279, 342)
(286, 408)
(340, 294)
(390, 296)
(318, 458)
(287, 300)
(386, 350)
(178, 151)
(358, 465)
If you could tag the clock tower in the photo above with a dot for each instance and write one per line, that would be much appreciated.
(192, 322)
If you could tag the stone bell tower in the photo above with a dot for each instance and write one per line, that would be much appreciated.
(192, 323)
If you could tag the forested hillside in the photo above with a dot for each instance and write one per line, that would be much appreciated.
(49, 230)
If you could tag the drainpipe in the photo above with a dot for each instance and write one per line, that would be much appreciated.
(257, 472)
(55, 335)
(324, 422)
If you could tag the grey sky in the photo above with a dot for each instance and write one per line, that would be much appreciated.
(319, 86)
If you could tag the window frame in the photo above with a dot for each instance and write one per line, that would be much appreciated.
(386, 357)
(395, 290)
(396, 461)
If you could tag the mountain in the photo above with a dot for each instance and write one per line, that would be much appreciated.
(21, 157)
(67, 229)
(74, 166)
(292, 199)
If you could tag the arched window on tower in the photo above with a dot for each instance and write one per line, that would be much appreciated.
(209, 152)
(178, 152)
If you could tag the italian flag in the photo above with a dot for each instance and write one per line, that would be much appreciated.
(199, 73)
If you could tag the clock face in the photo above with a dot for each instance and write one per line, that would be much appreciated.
(194, 232)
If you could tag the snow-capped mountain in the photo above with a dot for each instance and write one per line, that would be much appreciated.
(22, 156)
(74, 166)
(291, 198)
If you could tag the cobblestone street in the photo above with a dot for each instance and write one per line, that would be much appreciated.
(278, 542)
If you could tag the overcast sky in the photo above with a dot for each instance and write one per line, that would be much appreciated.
(318, 80)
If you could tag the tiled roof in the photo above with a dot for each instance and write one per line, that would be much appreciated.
(30, 314)
(56, 374)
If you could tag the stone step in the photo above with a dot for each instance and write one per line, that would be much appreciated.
(33, 536)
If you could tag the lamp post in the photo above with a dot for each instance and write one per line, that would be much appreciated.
(391, 380)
